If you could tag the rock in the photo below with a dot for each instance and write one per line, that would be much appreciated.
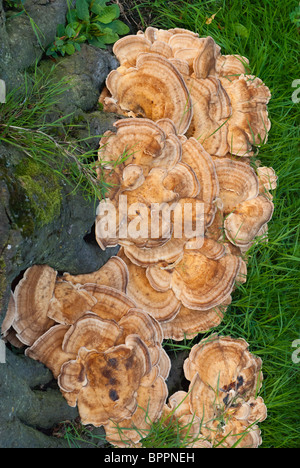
(28, 409)
(23, 38)
(84, 73)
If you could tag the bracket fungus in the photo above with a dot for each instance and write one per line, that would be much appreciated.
(152, 185)
(105, 352)
(31, 300)
(224, 381)
(153, 89)
(189, 295)
(245, 204)
(223, 106)
(177, 412)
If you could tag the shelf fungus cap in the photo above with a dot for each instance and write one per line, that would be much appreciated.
(203, 165)
(238, 182)
(249, 124)
(177, 412)
(48, 349)
(247, 220)
(148, 329)
(69, 303)
(32, 296)
(113, 273)
(111, 304)
(267, 180)
(151, 398)
(225, 378)
(93, 333)
(162, 305)
(8, 333)
(155, 187)
(128, 48)
(154, 89)
(105, 384)
(211, 113)
(202, 281)
(205, 61)
(189, 322)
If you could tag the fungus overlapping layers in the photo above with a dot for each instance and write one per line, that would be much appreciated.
(217, 113)
(153, 178)
(222, 401)
(225, 107)
(104, 351)
(184, 284)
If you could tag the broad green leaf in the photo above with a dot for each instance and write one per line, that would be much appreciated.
(109, 37)
(98, 6)
(83, 11)
(97, 43)
(100, 3)
(70, 32)
(71, 16)
(70, 49)
(81, 39)
(59, 42)
(109, 13)
(60, 30)
(119, 27)
(50, 51)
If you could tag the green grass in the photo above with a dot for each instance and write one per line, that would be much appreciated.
(265, 310)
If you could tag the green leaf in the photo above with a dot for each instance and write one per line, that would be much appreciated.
(241, 30)
(50, 51)
(72, 16)
(109, 13)
(70, 49)
(81, 39)
(98, 6)
(82, 9)
(60, 30)
(70, 32)
(59, 42)
(119, 27)
(97, 43)
(109, 37)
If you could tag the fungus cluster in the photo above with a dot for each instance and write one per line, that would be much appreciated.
(192, 119)
(221, 408)
(104, 351)
(178, 75)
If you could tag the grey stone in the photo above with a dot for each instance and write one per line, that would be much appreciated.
(24, 37)
(28, 409)
(84, 73)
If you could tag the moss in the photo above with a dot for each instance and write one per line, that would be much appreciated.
(42, 189)
(35, 194)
